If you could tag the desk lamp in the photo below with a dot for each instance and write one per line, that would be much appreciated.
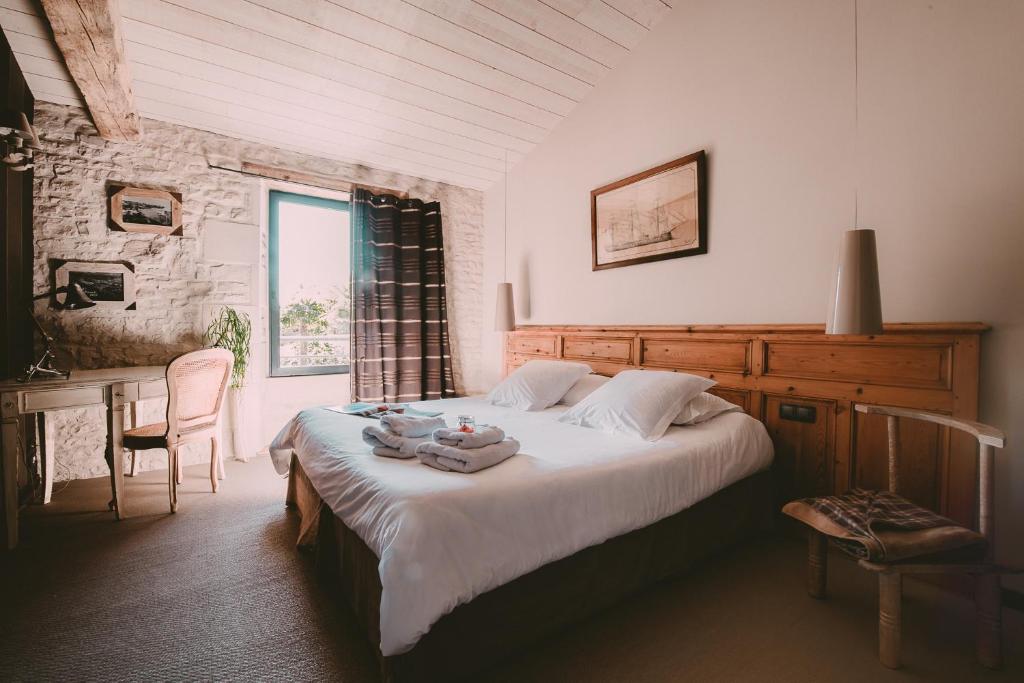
(76, 298)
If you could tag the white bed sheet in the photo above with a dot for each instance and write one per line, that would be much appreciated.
(444, 538)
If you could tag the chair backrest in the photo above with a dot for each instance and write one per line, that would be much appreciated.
(988, 438)
(196, 384)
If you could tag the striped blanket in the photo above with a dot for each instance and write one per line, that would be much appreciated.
(865, 513)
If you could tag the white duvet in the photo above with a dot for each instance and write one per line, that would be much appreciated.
(444, 538)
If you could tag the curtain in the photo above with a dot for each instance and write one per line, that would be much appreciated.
(400, 346)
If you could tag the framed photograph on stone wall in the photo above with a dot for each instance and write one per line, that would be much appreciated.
(139, 209)
(109, 285)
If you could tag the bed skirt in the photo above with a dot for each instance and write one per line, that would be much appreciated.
(507, 619)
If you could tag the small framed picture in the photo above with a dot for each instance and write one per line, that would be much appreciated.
(651, 216)
(139, 209)
(109, 285)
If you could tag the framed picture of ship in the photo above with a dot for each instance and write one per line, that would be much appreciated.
(651, 216)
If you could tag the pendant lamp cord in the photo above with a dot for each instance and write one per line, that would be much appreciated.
(504, 253)
(856, 110)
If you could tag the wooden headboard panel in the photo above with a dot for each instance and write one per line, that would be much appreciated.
(802, 384)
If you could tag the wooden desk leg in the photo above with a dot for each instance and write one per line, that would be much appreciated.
(10, 477)
(133, 422)
(46, 458)
(31, 457)
(115, 446)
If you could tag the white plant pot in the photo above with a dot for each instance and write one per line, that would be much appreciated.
(236, 423)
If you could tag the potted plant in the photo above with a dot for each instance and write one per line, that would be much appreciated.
(232, 330)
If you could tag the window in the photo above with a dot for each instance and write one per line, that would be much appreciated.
(310, 296)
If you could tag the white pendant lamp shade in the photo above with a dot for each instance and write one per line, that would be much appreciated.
(505, 311)
(855, 302)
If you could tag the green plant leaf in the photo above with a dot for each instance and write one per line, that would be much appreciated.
(232, 330)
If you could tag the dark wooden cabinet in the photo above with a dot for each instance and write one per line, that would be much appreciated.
(16, 259)
(15, 226)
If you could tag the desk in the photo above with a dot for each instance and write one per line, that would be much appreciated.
(111, 387)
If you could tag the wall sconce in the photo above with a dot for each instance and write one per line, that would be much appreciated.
(19, 144)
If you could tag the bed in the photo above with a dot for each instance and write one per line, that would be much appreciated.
(449, 572)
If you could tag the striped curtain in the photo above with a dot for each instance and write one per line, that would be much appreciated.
(400, 347)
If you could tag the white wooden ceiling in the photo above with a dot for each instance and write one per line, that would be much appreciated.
(439, 89)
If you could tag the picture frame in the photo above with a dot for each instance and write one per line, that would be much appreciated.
(109, 285)
(145, 210)
(655, 215)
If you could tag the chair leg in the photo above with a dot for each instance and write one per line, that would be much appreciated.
(178, 468)
(172, 480)
(890, 590)
(214, 457)
(131, 472)
(817, 564)
(988, 602)
(220, 461)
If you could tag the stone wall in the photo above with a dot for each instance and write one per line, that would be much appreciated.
(175, 284)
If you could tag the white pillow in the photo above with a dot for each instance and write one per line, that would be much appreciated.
(583, 388)
(640, 403)
(537, 385)
(702, 408)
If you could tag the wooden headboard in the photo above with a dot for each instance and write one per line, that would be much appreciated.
(803, 384)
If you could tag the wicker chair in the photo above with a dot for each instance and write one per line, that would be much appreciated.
(196, 384)
(950, 549)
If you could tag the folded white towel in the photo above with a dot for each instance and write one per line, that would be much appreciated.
(483, 436)
(411, 425)
(465, 460)
(403, 446)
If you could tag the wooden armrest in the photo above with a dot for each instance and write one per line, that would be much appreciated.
(985, 434)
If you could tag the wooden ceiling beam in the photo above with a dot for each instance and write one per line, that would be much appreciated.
(311, 179)
(88, 33)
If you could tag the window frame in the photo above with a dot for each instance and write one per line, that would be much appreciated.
(274, 199)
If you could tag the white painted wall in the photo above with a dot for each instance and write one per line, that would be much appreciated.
(768, 90)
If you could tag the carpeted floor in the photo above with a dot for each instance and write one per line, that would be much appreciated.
(218, 592)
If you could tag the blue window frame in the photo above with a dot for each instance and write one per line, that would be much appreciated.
(309, 281)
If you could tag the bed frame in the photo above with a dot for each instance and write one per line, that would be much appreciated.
(802, 384)
(508, 619)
